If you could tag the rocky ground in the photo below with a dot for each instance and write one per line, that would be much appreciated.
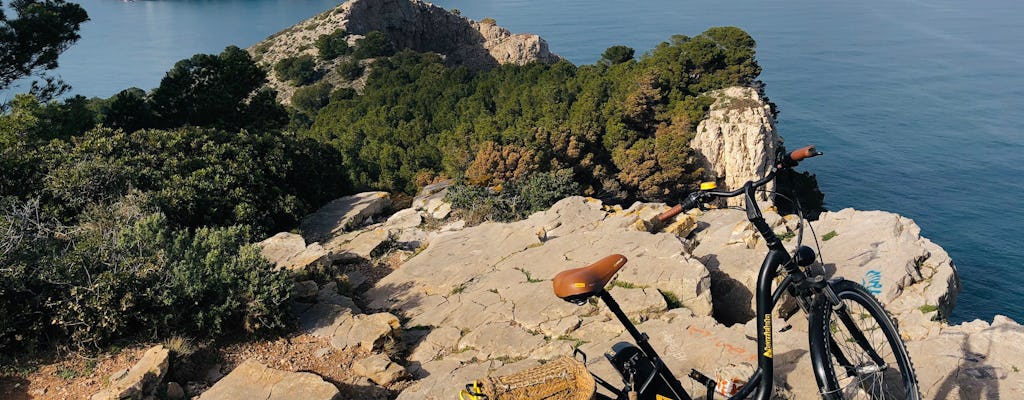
(424, 304)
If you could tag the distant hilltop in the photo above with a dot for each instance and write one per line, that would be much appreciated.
(407, 24)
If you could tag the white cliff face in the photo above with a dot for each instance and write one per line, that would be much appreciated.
(410, 24)
(737, 139)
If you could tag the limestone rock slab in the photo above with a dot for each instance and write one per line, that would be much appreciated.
(368, 332)
(343, 214)
(252, 380)
(289, 251)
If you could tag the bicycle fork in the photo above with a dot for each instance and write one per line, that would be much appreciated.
(823, 346)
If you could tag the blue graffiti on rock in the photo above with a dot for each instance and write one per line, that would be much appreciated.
(872, 281)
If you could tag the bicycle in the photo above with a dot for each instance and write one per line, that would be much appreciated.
(856, 350)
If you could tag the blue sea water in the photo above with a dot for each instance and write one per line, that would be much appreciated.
(917, 104)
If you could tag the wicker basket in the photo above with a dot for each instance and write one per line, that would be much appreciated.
(563, 378)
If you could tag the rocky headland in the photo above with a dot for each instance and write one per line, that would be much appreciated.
(408, 24)
(429, 304)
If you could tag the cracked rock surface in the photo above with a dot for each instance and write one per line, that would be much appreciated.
(252, 380)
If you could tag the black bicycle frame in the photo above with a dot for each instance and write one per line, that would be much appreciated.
(778, 256)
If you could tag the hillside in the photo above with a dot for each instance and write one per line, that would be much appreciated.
(414, 25)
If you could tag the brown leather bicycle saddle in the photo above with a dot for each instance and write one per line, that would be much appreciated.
(578, 284)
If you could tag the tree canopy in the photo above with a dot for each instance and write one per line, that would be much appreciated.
(621, 127)
(617, 55)
(224, 91)
(31, 42)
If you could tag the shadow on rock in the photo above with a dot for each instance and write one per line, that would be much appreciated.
(973, 378)
(731, 300)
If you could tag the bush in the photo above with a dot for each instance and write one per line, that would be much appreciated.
(332, 45)
(374, 44)
(124, 272)
(350, 69)
(515, 200)
(299, 70)
(496, 164)
(266, 181)
(310, 99)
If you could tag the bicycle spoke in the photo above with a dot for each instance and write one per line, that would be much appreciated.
(861, 348)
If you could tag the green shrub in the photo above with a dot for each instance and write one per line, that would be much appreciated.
(310, 99)
(516, 199)
(350, 69)
(124, 272)
(332, 45)
(343, 93)
(266, 181)
(299, 70)
(374, 44)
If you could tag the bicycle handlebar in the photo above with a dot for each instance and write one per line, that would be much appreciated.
(694, 199)
(803, 153)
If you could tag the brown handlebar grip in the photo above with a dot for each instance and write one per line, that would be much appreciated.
(802, 153)
(665, 216)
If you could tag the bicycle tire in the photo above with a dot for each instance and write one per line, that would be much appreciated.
(844, 365)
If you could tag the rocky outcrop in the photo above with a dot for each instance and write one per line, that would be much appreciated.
(411, 24)
(422, 26)
(430, 200)
(882, 251)
(252, 380)
(483, 294)
(477, 301)
(737, 140)
(139, 381)
(289, 251)
(343, 214)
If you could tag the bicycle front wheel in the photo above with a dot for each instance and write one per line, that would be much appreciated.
(857, 348)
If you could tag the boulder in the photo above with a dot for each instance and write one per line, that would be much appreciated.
(304, 290)
(289, 251)
(368, 332)
(886, 253)
(379, 369)
(139, 381)
(404, 219)
(329, 295)
(363, 244)
(343, 214)
(430, 201)
(882, 251)
(252, 380)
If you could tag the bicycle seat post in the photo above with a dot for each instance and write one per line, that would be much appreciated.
(643, 343)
